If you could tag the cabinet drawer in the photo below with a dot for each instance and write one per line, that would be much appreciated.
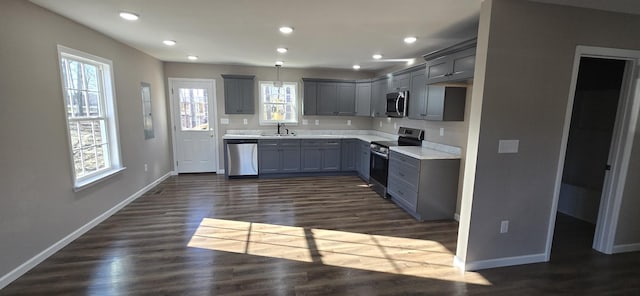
(408, 173)
(402, 159)
(399, 190)
(268, 143)
(322, 143)
(289, 143)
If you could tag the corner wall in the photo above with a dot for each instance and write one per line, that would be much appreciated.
(38, 206)
(530, 50)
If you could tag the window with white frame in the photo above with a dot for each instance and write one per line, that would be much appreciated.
(278, 103)
(89, 102)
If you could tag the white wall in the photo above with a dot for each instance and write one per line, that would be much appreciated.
(38, 206)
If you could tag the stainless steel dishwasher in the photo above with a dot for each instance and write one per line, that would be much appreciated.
(242, 158)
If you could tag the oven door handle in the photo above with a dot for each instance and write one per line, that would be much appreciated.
(385, 156)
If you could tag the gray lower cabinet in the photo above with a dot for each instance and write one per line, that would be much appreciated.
(278, 156)
(363, 98)
(349, 154)
(238, 94)
(363, 159)
(320, 155)
(426, 189)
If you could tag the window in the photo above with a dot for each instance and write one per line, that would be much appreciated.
(194, 106)
(91, 118)
(278, 104)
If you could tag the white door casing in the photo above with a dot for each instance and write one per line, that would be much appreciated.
(620, 150)
(193, 116)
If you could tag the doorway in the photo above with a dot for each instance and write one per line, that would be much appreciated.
(593, 118)
(596, 145)
(193, 109)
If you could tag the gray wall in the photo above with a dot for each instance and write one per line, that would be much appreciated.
(38, 206)
(522, 94)
(211, 71)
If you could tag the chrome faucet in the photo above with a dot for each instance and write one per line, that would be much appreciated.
(279, 126)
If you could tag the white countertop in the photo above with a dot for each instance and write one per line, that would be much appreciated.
(423, 152)
(366, 138)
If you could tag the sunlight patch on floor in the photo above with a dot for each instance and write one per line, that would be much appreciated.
(403, 256)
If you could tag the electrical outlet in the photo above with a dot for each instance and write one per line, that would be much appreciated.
(380, 123)
(395, 125)
(348, 121)
(442, 131)
(224, 120)
(317, 121)
(146, 168)
(305, 122)
(245, 121)
(508, 146)
(504, 226)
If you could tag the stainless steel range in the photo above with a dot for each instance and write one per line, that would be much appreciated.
(379, 169)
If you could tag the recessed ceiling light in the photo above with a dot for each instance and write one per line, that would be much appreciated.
(411, 61)
(410, 39)
(192, 57)
(169, 42)
(130, 16)
(282, 50)
(286, 30)
(279, 63)
(356, 67)
(377, 56)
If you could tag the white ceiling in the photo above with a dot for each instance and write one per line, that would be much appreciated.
(328, 33)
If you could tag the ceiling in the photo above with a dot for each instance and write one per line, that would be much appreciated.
(327, 33)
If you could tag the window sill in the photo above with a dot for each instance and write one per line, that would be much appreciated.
(84, 184)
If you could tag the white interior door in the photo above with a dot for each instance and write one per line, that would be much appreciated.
(193, 120)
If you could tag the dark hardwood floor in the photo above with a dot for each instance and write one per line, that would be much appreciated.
(203, 235)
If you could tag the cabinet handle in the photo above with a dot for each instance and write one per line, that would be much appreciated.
(401, 174)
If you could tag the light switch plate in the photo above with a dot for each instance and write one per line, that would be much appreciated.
(508, 146)
(317, 121)
(381, 123)
(224, 120)
(245, 121)
(442, 131)
(348, 121)
(305, 122)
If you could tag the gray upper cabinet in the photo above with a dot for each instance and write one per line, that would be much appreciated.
(455, 63)
(239, 94)
(401, 82)
(363, 98)
(329, 97)
(310, 98)
(445, 103)
(418, 95)
(379, 98)
(346, 99)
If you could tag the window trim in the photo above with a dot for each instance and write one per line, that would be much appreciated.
(110, 115)
(263, 121)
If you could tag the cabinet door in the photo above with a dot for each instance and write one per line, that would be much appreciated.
(418, 95)
(311, 159)
(310, 98)
(379, 98)
(438, 69)
(463, 64)
(327, 98)
(363, 99)
(346, 98)
(364, 153)
(445, 103)
(232, 96)
(269, 160)
(331, 157)
(349, 155)
(290, 159)
(401, 82)
(247, 96)
(435, 102)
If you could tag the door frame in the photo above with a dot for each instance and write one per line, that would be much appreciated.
(619, 151)
(214, 109)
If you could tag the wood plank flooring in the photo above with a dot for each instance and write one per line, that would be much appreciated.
(204, 235)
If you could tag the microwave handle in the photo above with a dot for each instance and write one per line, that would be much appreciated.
(397, 105)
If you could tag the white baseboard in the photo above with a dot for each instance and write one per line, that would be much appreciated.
(37, 259)
(456, 217)
(626, 248)
(220, 172)
(173, 173)
(458, 263)
(500, 262)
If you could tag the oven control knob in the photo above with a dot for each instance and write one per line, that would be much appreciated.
(372, 146)
(384, 150)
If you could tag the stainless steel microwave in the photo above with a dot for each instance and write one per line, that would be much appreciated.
(397, 104)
